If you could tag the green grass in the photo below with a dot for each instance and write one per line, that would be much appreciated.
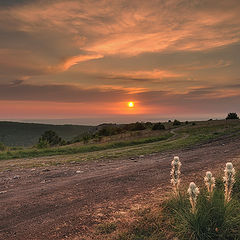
(214, 218)
(30, 153)
(172, 139)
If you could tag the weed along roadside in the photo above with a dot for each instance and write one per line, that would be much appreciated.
(214, 211)
(211, 211)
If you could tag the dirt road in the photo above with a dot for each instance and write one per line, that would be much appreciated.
(64, 202)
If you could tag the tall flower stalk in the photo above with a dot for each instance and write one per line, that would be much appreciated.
(209, 181)
(175, 174)
(193, 192)
(228, 179)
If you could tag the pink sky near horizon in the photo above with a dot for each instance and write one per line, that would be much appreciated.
(87, 59)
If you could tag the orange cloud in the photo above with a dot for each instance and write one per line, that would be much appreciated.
(112, 27)
(71, 61)
(199, 66)
(155, 75)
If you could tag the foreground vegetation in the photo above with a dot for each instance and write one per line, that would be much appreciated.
(215, 217)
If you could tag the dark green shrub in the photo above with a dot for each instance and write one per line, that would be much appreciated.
(42, 144)
(82, 136)
(134, 126)
(176, 123)
(148, 125)
(158, 126)
(106, 131)
(138, 126)
(113, 129)
(51, 138)
(232, 116)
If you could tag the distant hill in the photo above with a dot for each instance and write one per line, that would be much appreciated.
(27, 134)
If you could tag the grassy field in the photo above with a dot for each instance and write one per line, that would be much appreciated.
(179, 137)
(30, 153)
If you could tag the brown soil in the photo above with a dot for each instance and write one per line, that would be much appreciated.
(66, 202)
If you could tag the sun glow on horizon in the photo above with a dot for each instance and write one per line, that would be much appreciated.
(131, 104)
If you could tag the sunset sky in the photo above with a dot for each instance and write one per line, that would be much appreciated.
(86, 59)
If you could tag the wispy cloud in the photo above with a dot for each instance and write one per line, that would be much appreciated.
(155, 75)
(200, 65)
(18, 90)
(135, 27)
(71, 61)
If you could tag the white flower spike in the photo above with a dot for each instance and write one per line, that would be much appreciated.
(193, 192)
(229, 180)
(209, 181)
(175, 174)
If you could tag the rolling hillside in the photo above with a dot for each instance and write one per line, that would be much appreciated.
(27, 134)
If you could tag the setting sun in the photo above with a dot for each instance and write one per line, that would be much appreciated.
(130, 104)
